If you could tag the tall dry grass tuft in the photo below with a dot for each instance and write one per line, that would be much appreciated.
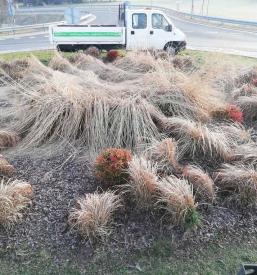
(137, 62)
(202, 184)
(196, 139)
(62, 110)
(246, 153)
(176, 197)
(236, 133)
(6, 169)
(93, 214)
(15, 68)
(240, 181)
(105, 72)
(15, 196)
(143, 181)
(248, 105)
(8, 139)
(165, 154)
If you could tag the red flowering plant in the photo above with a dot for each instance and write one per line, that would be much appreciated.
(111, 166)
(112, 55)
(235, 113)
(254, 82)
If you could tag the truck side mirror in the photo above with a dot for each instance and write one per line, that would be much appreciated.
(168, 28)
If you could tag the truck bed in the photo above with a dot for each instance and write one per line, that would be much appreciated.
(79, 34)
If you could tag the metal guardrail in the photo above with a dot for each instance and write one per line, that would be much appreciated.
(28, 27)
(44, 26)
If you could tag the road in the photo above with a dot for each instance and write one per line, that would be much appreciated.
(201, 37)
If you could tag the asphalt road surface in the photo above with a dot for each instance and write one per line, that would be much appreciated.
(199, 36)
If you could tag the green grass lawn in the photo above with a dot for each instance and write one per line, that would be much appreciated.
(223, 258)
(46, 55)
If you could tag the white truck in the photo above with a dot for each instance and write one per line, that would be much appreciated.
(138, 29)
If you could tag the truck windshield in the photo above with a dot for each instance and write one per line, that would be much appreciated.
(159, 21)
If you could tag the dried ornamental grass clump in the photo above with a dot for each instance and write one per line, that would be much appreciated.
(6, 169)
(111, 166)
(202, 184)
(236, 133)
(137, 62)
(93, 51)
(8, 139)
(165, 154)
(176, 197)
(195, 139)
(93, 214)
(15, 197)
(248, 105)
(143, 181)
(15, 68)
(240, 182)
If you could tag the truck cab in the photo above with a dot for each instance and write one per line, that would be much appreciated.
(152, 29)
(135, 29)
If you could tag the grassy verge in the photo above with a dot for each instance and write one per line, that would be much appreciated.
(46, 55)
(161, 259)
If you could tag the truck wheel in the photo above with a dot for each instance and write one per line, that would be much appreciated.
(170, 48)
(175, 47)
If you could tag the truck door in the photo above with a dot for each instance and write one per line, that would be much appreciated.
(160, 31)
(138, 31)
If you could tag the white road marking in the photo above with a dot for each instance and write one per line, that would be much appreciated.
(31, 37)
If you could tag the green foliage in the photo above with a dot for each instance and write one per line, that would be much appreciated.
(192, 219)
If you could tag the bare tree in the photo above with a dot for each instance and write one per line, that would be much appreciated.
(3, 11)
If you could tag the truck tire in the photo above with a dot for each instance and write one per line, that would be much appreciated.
(175, 47)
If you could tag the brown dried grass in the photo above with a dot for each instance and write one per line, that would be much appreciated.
(176, 197)
(240, 182)
(143, 181)
(93, 214)
(15, 196)
(202, 184)
(6, 169)
(8, 139)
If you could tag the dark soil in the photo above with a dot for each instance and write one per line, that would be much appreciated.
(60, 179)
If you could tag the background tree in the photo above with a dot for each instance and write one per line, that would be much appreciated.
(3, 11)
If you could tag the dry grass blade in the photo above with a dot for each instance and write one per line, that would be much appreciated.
(137, 62)
(15, 68)
(165, 154)
(176, 196)
(92, 215)
(8, 139)
(143, 181)
(248, 105)
(15, 196)
(196, 139)
(6, 169)
(105, 72)
(202, 184)
(246, 153)
(236, 133)
(240, 181)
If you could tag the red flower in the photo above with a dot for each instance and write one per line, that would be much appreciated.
(235, 113)
(111, 165)
(254, 82)
(113, 158)
(112, 55)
